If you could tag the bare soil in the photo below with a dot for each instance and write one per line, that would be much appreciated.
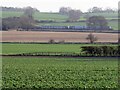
(36, 36)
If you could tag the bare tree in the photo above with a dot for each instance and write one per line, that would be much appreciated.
(51, 41)
(91, 38)
(74, 15)
(64, 10)
(29, 11)
(95, 10)
(27, 19)
(26, 22)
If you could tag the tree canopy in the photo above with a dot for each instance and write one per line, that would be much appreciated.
(97, 22)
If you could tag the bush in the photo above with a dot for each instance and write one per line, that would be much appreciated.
(101, 50)
(51, 41)
(62, 42)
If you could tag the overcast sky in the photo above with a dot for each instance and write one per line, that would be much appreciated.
(54, 5)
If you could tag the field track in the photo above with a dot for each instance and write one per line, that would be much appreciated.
(35, 36)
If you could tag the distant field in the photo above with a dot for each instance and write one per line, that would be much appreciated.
(37, 36)
(106, 15)
(56, 16)
(39, 73)
(50, 16)
(60, 18)
(37, 15)
(10, 14)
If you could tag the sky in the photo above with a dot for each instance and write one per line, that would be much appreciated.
(54, 5)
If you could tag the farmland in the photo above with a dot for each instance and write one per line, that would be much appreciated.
(59, 73)
(29, 71)
(35, 36)
(37, 15)
(31, 48)
(62, 18)
(56, 16)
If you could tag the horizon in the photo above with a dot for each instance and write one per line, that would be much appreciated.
(54, 5)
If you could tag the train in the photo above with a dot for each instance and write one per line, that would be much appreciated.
(75, 27)
(68, 28)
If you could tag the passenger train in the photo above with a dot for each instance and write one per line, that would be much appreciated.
(74, 27)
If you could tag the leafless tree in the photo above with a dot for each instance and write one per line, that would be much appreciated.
(91, 38)
(95, 10)
(27, 19)
(74, 15)
(64, 10)
(29, 11)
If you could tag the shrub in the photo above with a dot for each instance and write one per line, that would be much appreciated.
(51, 41)
(101, 50)
(62, 42)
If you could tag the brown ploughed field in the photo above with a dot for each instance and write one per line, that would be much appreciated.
(36, 36)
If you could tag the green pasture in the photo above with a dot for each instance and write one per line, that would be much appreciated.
(6, 14)
(68, 73)
(50, 16)
(106, 15)
(31, 48)
(37, 15)
(56, 16)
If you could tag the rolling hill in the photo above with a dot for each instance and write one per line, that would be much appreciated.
(59, 19)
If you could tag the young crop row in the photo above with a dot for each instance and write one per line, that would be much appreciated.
(36, 73)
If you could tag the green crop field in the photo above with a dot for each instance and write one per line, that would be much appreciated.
(59, 73)
(31, 48)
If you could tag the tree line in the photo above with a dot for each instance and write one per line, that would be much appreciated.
(26, 21)
(16, 9)
(73, 14)
(101, 10)
(65, 10)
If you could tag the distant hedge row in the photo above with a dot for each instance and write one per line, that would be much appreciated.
(101, 50)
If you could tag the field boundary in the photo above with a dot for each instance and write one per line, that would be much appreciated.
(72, 30)
(55, 56)
(58, 43)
